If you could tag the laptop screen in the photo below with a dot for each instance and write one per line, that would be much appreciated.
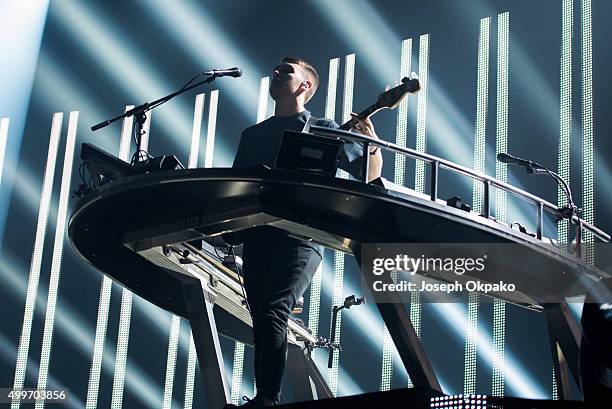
(305, 152)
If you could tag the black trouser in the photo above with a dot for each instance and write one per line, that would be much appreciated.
(276, 274)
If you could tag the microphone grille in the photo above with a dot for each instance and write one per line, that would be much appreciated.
(502, 157)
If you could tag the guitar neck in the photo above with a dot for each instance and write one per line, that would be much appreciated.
(366, 113)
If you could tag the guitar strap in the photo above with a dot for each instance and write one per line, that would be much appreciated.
(311, 120)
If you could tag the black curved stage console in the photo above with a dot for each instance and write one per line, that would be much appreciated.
(138, 230)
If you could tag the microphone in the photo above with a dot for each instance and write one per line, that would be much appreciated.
(531, 167)
(230, 72)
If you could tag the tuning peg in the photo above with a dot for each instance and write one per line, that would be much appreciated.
(414, 76)
(387, 87)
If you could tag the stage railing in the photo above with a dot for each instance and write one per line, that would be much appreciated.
(437, 163)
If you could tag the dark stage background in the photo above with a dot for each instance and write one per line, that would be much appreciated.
(96, 57)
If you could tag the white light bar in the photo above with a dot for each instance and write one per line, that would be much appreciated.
(347, 108)
(35, 266)
(198, 111)
(401, 132)
(421, 135)
(565, 133)
(501, 172)
(4, 125)
(175, 327)
(191, 368)
(482, 95)
(588, 209)
(58, 250)
(237, 369)
(262, 104)
(212, 127)
(93, 385)
(332, 85)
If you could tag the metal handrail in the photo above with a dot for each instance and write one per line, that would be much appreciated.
(436, 162)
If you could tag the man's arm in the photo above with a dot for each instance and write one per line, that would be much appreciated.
(366, 127)
(375, 165)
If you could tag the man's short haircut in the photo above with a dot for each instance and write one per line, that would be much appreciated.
(310, 71)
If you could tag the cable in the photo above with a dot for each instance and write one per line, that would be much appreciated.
(238, 271)
(215, 249)
(240, 278)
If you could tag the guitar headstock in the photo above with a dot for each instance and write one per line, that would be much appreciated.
(392, 97)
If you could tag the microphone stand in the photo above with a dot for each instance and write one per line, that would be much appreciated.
(570, 209)
(348, 303)
(139, 112)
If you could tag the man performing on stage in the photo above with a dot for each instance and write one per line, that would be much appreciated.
(278, 268)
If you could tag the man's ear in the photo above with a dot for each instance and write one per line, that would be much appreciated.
(307, 84)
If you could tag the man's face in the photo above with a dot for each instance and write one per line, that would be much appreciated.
(286, 80)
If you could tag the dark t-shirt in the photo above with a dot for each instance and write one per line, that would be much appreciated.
(259, 145)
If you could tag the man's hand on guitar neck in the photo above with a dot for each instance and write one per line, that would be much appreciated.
(365, 127)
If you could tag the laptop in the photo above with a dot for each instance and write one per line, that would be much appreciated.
(305, 152)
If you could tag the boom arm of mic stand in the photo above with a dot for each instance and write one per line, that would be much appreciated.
(537, 169)
(147, 106)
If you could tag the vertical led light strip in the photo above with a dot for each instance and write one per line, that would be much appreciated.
(421, 146)
(330, 113)
(399, 178)
(332, 85)
(501, 171)
(262, 104)
(237, 369)
(190, 377)
(208, 161)
(93, 385)
(482, 94)
(144, 141)
(238, 361)
(566, 110)
(315, 301)
(4, 125)
(402, 114)
(499, 346)
(123, 338)
(96, 362)
(588, 212)
(469, 376)
(175, 327)
(565, 126)
(555, 392)
(126, 136)
(212, 126)
(387, 361)
(421, 140)
(35, 266)
(349, 79)
(125, 313)
(337, 300)
(173, 342)
(198, 110)
(58, 249)
(347, 107)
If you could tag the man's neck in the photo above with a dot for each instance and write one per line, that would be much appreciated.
(288, 108)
